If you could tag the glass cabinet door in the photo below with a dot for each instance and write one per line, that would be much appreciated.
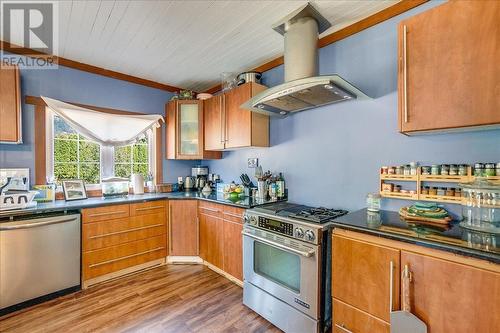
(189, 126)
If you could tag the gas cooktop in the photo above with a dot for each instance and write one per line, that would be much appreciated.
(317, 215)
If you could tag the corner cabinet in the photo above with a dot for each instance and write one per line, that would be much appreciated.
(10, 105)
(227, 126)
(449, 76)
(184, 137)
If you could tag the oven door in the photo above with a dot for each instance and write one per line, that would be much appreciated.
(285, 268)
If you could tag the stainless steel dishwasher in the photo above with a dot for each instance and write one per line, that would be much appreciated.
(39, 258)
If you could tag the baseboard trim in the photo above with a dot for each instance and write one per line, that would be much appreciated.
(121, 273)
(184, 260)
(221, 272)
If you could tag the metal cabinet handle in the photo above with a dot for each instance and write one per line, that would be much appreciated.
(170, 229)
(125, 257)
(210, 209)
(125, 231)
(222, 114)
(148, 208)
(342, 327)
(107, 213)
(391, 284)
(225, 120)
(306, 254)
(405, 90)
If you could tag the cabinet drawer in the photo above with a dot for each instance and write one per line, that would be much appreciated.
(348, 319)
(150, 207)
(118, 231)
(233, 214)
(209, 208)
(115, 258)
(105, 213)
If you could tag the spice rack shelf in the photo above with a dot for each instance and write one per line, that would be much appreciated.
(419, 179)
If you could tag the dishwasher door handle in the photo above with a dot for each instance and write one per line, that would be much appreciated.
(33, 224)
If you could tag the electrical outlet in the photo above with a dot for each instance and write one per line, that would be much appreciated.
(253, 162)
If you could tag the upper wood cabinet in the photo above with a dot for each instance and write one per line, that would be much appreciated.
(451, 297)
(183, 228)
(228, 126)
(184, 138)
(10, 104)
(449, 75)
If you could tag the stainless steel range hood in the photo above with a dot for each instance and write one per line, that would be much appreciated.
(303, 88)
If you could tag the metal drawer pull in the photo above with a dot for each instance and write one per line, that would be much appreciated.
(125, 231)
(107, 213)
(306, 254)
(148, 208)
(341, 326)
(210, 209)
(405, 90)
(234, 215)
(391, 281)
(169, 240)
(126, 257)
(14, 225)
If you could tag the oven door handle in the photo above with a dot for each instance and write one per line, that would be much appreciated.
(306, 254)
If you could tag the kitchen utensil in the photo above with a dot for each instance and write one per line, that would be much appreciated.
(404, 321)
(251, 76)
(262, 189)
(246, 180)
(258, 172)
(138, 183)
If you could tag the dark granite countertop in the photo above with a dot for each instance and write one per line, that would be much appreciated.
(454, 238)
(61, 205)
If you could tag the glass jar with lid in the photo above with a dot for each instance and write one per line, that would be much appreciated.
(373, 202)
(481, 205)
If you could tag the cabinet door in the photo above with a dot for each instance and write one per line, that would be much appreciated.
(10, 108)
(452, 297)
(211, 239)
(361, 276)
(448, 71)
(171, 129)
(349, 319)
(214, 123)
(183, 228)
(233, 249)
(189, 129)
(238, 120)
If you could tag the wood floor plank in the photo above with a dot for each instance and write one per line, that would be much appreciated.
(172, 298)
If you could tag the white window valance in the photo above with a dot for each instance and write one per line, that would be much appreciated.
(104, 128)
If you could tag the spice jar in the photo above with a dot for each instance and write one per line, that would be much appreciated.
(424, 190)
(426, 170)
(441, 191)
(385, 170)
(445, 169)
(433, 191)
(498, 169)
(407, 170)
(391, 170)
(397, 188)
(413, 168)
(478, 169)
(435, 169)
(450, 192)
(462, 170)
(458, 192)
(453, 170)
(387, 187)
(489, 169)
(399, 170)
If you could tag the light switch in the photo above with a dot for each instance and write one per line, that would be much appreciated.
(253, 162)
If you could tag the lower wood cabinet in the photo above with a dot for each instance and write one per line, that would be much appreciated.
(220, 237)
(450, 293)
(183, 228)
(117, 238)
(349, 319)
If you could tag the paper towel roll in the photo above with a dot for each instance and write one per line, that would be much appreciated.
(138, 183)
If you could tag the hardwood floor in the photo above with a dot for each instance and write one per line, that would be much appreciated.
(172, 298)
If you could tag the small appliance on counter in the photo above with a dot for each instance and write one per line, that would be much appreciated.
(200, 173)
(17, 200)
(481, 206)
(114, 186)
(189, 183)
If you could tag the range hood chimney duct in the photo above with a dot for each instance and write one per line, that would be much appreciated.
(303, 88)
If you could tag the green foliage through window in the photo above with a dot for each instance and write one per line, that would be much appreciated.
(132, 159)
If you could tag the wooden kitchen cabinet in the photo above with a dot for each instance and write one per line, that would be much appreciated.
(185, 128)
(362, 278)
(233, 245)
(10, 104)
(452, 297)
(449, 76)
(349, 319)
(183, 228)
(211, 234)
(228, 126)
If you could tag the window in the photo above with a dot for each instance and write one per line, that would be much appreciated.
(72, 156)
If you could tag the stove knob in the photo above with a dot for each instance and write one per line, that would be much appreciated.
(299, 233)
(253, 220)
(246, 219)
(310, 235)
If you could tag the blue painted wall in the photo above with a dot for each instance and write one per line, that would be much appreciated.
(331, 155)
(86, 88)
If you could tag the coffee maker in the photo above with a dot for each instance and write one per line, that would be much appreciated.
(200, 174)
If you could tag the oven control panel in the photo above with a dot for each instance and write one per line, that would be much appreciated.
(277, 226)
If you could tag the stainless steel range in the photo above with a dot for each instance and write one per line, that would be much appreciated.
(286, 265)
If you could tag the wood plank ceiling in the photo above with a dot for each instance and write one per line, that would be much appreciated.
(186, 43)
